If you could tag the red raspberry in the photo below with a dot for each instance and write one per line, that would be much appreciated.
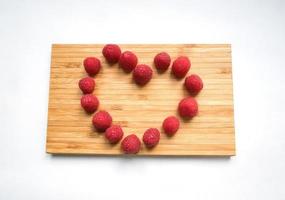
(193, 84)
(188, 107)
(92, 65)
(181, 66)
(142, 74)
(151, 137)
(89, 103)
(102, 120)
(162, 61)
(171, 125)
(131, 144)
(112, 53)
(114, 134)
(87, 85)
(128, 61)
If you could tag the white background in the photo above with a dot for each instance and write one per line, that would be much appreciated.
(256, 30)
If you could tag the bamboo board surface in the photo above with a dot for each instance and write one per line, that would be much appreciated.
(211, 133)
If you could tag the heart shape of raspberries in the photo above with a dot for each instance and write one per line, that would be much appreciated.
(142, 74)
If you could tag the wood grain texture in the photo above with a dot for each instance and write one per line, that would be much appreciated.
(211, 133)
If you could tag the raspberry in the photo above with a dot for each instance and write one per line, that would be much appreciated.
(171, 125)
(142, 74)
(151, 137)
(188, 107)
(181, 66)
(92, 65)
(89, 103)
(131, 144)
(193, 84)
(112, 53)
(162, 61)
(114, 134)
(87, 85)
(128, 61)
(102, 120)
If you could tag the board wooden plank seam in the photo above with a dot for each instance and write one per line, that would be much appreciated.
(211, 133)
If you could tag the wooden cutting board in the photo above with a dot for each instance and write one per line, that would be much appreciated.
(211, 133)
